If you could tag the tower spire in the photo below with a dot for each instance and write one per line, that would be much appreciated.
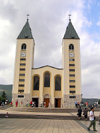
(70, 32)
(26, 31)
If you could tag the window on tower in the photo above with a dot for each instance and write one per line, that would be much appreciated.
(72, 96)
(71, 59)
(72, 91)
(21, 85)
(22, 69)
(22, 58)
(71, 64)
(58, 83)
(22, 80)
(23, 47)
(72, 86)
(22, 64)
(47, 79)
(21, 74)
(72, 75)
(71, 47)
(72, 70)
(71, 80)
(20, 90)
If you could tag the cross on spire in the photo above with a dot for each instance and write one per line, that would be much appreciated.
(27, 16)
(69, 17)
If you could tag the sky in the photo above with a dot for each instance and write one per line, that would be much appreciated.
(48, 20)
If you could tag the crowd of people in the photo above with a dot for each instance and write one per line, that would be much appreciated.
(86, 104)
(87, 110)
(31, 104)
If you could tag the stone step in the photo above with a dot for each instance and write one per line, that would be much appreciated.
(55, 117)
(45, 110)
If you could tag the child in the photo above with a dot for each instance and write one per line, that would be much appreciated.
(6, 116)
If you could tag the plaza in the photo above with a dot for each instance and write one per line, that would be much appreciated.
(64, 123)
(44, 126)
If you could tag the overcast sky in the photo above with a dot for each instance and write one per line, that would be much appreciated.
(48, 21)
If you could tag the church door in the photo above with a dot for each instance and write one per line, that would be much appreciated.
(58, 102)
(46, 100)
(35, 100)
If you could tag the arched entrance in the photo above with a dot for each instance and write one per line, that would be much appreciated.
(46, 99)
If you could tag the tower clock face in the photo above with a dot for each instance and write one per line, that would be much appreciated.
(23, 54)
(71, 54)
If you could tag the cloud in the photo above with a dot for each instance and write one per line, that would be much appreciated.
(8, 11)
(98, 23)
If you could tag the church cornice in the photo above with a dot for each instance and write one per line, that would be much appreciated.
(48, 66)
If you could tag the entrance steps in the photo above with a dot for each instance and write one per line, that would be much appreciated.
(42, 110)
(42, 113)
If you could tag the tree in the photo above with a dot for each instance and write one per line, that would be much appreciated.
(3, 94)
(3, 97)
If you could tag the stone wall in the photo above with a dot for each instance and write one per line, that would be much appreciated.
(70, 102)
(21, 101)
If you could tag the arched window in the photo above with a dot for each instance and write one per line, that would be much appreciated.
(71, 47)
(47, 79)
(58, 83)
(36, 83)
(23, 47)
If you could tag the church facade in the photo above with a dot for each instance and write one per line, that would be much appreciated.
(60, 87)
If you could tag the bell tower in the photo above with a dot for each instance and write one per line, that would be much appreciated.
(23, 65)
(71, 66)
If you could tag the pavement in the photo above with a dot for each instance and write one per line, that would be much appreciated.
(44, 126)
(26, 125)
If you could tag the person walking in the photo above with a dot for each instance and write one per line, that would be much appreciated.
(85, 113)
(76, 104)
(31, 103)
(79, 113)
(27, 103)
(6, 116)
(16, 103)
(92, 120)
(97, 104)
(87, 104)
(49, 106)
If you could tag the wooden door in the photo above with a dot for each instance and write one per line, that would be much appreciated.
(46, 100)
(59, 103)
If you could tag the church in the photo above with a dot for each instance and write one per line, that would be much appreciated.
(60, 87)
